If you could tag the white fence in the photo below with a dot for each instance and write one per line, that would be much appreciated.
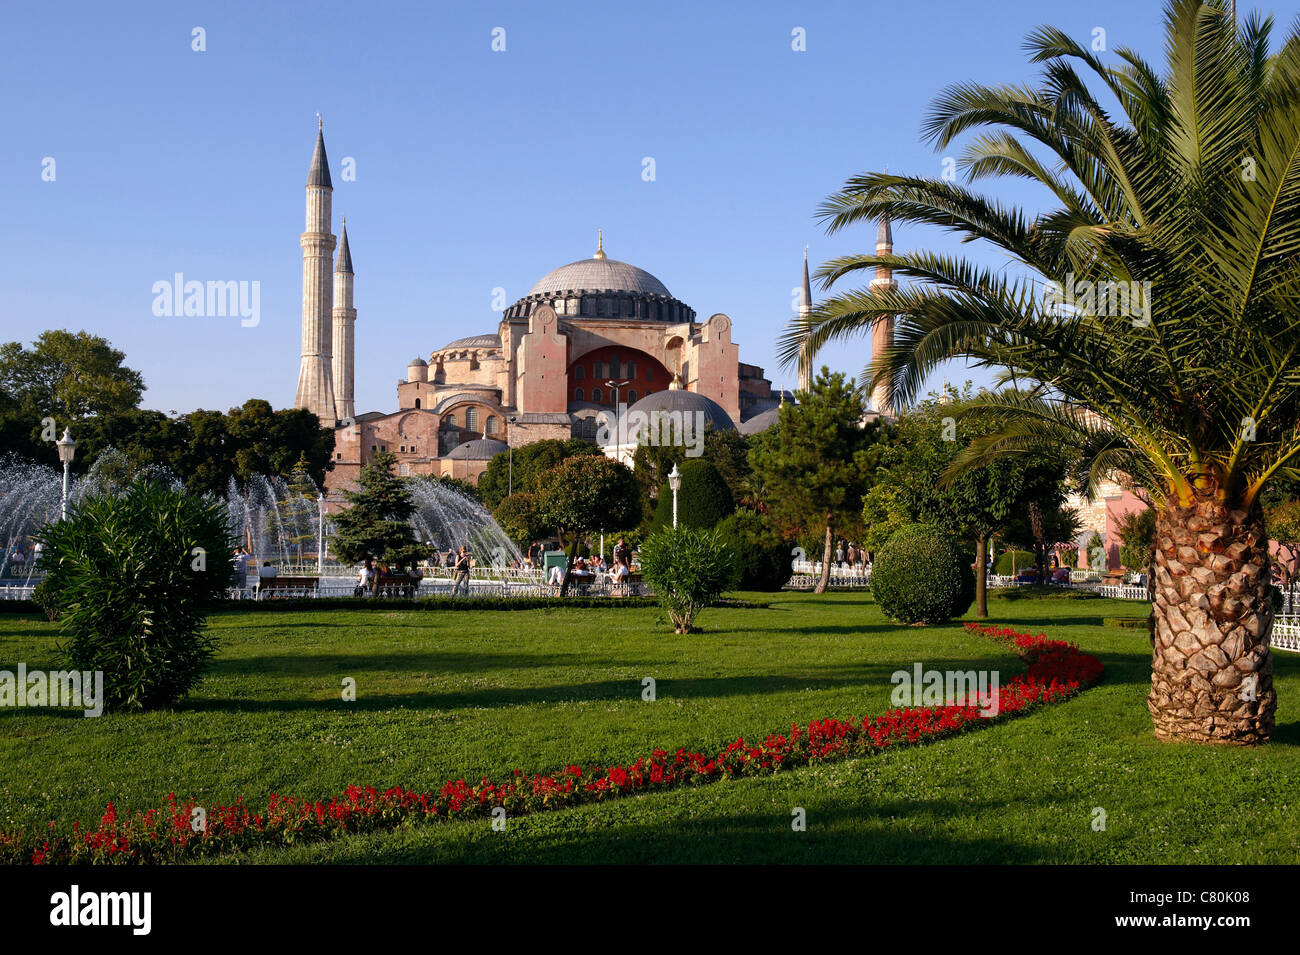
(808, 572)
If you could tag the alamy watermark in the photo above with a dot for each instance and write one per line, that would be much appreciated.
(922, 687)
(76, 689)
(658, 428)
(1101, 299)
(193, 299)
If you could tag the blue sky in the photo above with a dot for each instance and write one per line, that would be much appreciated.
(475, 169)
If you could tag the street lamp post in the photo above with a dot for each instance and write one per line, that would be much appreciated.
(67, 451)
(320, 536)
(510, 482)
(675, 484)
(614, 386)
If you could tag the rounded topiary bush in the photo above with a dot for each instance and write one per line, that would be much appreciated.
(132, 579)
(922, 576)
(703, 500)
(762, 557)
(1022, 559)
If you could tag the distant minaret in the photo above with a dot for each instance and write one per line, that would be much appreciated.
(315, 379)
(882, 333)
(345, 317)
(805, 309)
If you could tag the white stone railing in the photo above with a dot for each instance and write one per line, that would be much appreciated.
(806, 574)
(1286, 634)
(1121, 591)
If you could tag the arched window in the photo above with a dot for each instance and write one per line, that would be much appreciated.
(613, 366)
(631, 397)
(471, 419)
(649, 374)
(595, 394)
(450, 421)
(417, 402)
(491, 424)
(631, 369)
(579, 373)
(577, 394)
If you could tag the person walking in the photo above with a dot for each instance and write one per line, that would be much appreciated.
(461, 575)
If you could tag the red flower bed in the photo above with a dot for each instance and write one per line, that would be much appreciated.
(178, 830)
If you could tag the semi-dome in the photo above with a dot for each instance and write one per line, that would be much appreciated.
(480, 449)
(687, 402)
(599, 275)
(473, 341)
(760, 422)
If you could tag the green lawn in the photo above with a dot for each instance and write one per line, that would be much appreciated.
(446, 694)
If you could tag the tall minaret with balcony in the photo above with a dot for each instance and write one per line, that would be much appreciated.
(345, 317)
(315, 375)
(882, 332)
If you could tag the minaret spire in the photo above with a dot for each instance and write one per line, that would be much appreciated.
(882, 332)
(805, 309)
(315, 372)
(345, 317)
(600, 244)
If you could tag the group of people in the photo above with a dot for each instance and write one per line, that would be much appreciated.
(20, 560)
(851, 555)
(371, 577)
(588, 570)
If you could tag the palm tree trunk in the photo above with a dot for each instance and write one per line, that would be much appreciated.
(825, 580)
(1211, 669)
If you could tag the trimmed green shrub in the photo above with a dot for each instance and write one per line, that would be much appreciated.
(762, 557)
(133, 578)
(44, 598)
(921, 576)
(702, 502)
(1042, 592)
(689, 569)
(1023, 559)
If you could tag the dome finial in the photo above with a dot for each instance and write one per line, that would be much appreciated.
(600, 244)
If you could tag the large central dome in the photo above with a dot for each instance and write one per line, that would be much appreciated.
(599, 275)
(603, 288)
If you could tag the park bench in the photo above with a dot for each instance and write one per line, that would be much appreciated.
(269, 588)
(396, 585)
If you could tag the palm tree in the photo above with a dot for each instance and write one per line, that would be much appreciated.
(1149, 320)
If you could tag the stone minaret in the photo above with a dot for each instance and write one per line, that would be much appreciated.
(315, 378)
(345, 317)
(805, 308)
(882, 333)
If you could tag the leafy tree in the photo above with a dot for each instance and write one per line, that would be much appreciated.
(376, 523)
(1283, 518)
(689, 568)
(530, 462)
(703, 500)
(69, 376)
(762, 556)
(727, 451)
(582, 494)
(1147, 316)
(1137, 531)
(132, 578)
(517, 515)
(917, 484)
(814, 464)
